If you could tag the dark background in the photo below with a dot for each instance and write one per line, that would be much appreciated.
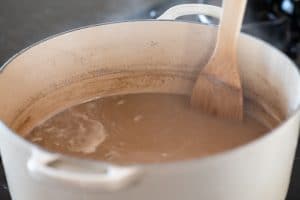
(23, 22)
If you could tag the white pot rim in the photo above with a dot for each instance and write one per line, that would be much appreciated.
(264, 138)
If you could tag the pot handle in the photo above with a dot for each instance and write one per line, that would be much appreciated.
(41, 166)
(191, 9)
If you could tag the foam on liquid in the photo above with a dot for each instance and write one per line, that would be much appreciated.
(142, 128)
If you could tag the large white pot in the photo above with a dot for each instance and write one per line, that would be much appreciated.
(144, 56)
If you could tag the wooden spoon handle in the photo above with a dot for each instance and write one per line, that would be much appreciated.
(223, 63)
(230, 26)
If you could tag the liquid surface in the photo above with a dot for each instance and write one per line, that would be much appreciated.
(141, 128)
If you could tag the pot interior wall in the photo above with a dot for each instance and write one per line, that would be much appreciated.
(136, 57)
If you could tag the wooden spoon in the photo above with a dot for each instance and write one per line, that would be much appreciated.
(218, 88)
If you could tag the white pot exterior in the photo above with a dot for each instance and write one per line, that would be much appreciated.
(259, 170)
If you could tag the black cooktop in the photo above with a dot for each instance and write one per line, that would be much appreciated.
(25, 22)
(4, 194)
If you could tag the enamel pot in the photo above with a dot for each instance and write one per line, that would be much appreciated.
(163, 56)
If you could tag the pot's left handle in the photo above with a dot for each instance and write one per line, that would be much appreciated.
(41, 166)
(191, 9)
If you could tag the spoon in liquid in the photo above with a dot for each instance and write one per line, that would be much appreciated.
(218, 89)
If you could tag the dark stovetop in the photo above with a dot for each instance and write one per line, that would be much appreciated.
(25, 22)
(4, 195)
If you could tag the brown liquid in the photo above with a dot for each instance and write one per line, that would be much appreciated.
(141, 128)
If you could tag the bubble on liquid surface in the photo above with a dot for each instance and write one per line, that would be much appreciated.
(78, 134)
(88, 136)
